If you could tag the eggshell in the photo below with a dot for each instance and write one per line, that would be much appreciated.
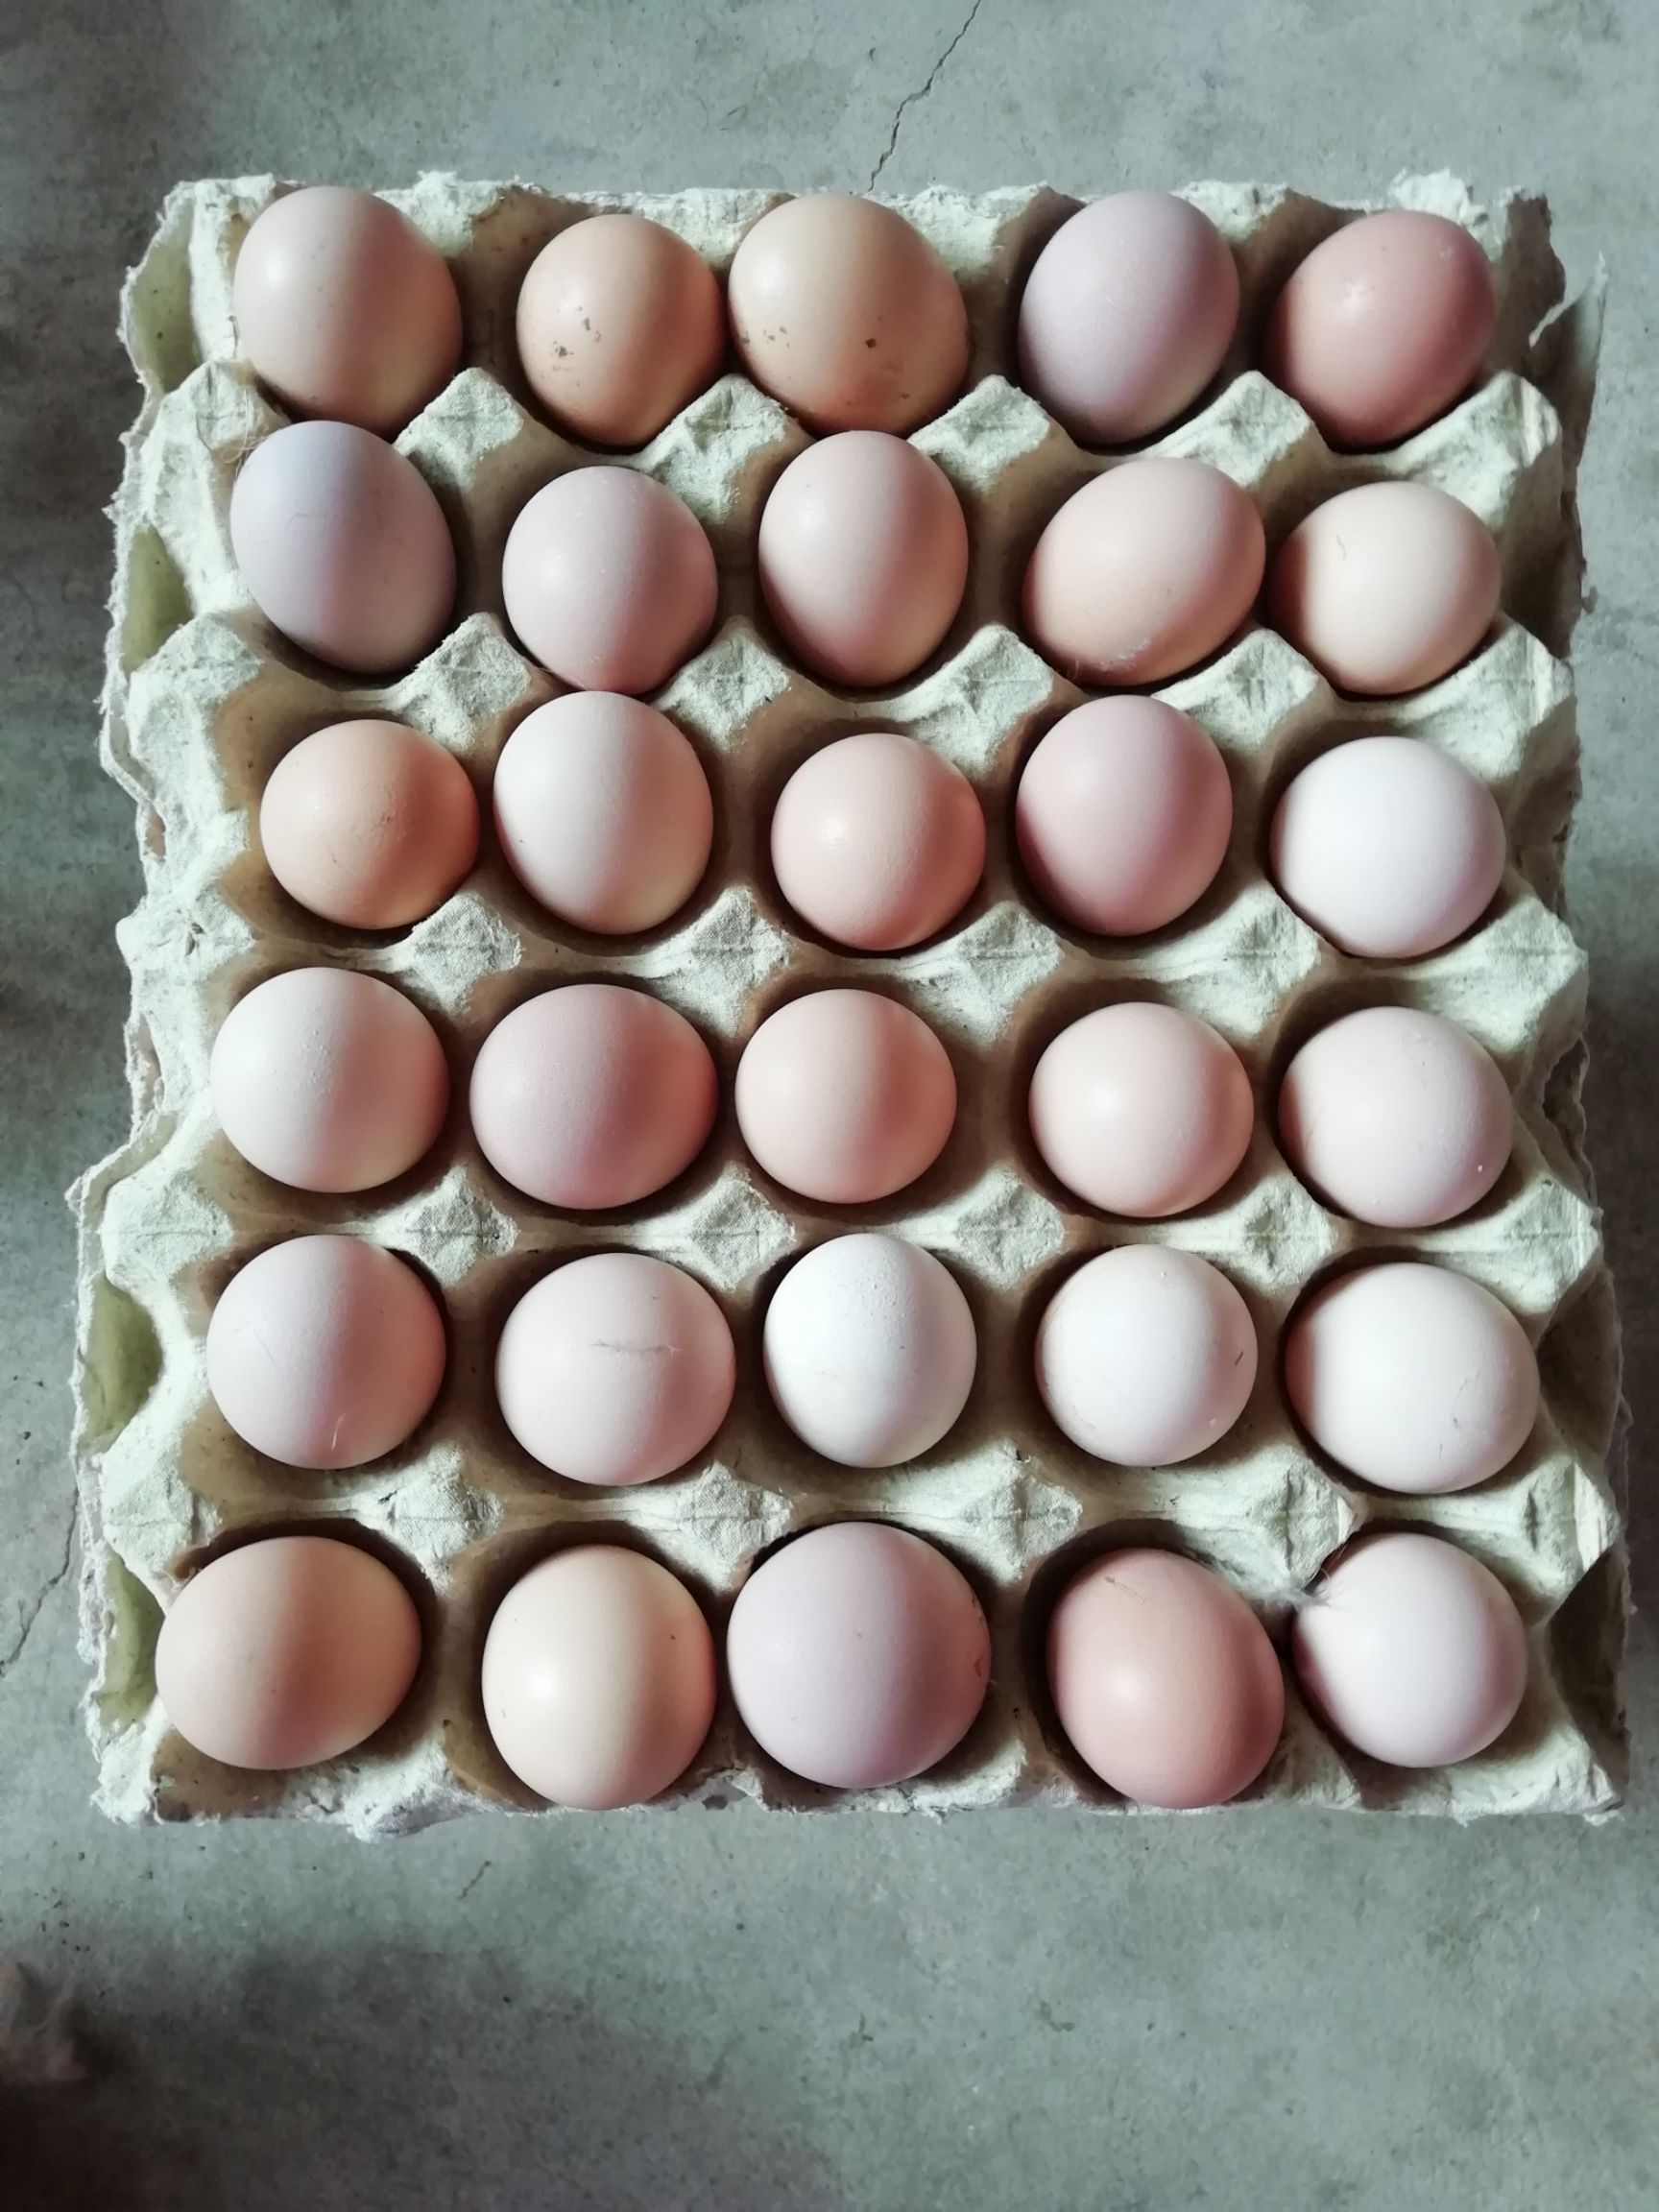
(859, 1655)
(845, 313)
(368, 824)
(1382, 325)
(345, 309)
(1122, 815)
(845, 1097)
(862, 555)
(344, 546)
(1396, 1117)
(1411, 1376)
(1164, 1680)
(328, 1080)
(1388, 846)
(614, 1369)
(1146, 571)
(1386, 587)
(324, 1351)
(598, 1677)
(1411, 1651)
(592, 1095)
(877, 841)
(620, 324)
(608, 580)
(1146, 1356)
(1126, 316)
(604, 812)
(869, 1350)
(286, 1651)
(1140, 1110)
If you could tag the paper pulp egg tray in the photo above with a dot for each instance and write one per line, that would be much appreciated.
(203, 698)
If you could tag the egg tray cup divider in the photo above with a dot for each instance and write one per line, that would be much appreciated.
(202, 699)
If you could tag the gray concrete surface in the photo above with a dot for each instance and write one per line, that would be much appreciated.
(1262, 2011)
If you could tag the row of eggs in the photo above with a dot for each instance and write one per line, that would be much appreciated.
(858, 1657)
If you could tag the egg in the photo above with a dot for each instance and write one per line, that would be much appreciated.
(286, 1651)
(844, 312)
(869, 1350)
(1126, 315)
(1385, 588)
(592, 1095)
(608, 580)
(614, 1369)
(1146, 1355)
(604, 812)
(1396, 1117)
(1411, 1651)
(1122, 815)
(845, 1097)
(859, 1655)
(599, 1678)
(328, 1080)
(862, 556)
(1412, 1378)
(1140, 1110)
(1164, 1680)
(620, 324)
(1383, 326)
(1388, 846)
(1145, 571)
(368, 824)
(877, 842)
(324, 1351)
(342, 546)
(345, 309)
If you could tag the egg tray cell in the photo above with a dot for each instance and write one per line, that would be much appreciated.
(202, 699)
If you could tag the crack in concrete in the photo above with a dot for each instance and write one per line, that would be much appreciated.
(911, 99)
(32, 1613)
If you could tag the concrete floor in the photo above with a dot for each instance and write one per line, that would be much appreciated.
(1259, 2010)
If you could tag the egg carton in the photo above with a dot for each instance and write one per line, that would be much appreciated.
(202, 699)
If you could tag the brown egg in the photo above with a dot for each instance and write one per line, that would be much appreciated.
(620, 325)
(845, 313)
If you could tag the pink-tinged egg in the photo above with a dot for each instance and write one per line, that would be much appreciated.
(1164, 1680)
(1411, 1651)
(324, 1351)
(368, 824)
(1126, 315)
(862, 556)
(1140, 1110)
(869, 1350)
(1146, 1356)
(1122, 815)
(859, 1655)
(1388, 846)
(620, 324)
(604, 812)
(328, 1080)
(614, 1369)
(1147, 569)
(844, 312)
(286, 1653)
(1386, 587)
(599, 1678)
(1382, 326)
(344, 546)
(608, 580)
(592, 1095)
(845, 1097)
(1412, 1378)
(1396, 1117)
(345, 309)
(877, 841)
